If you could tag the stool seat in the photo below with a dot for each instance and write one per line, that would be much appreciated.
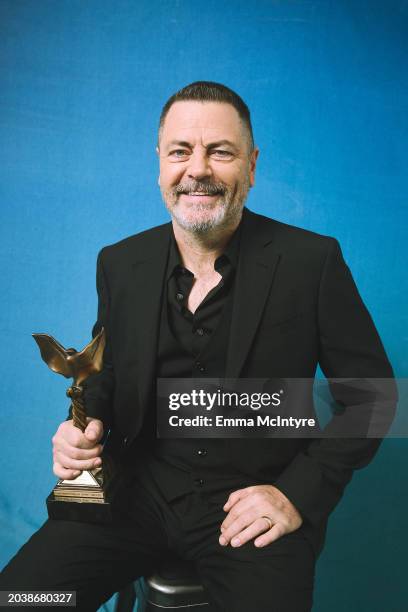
(175, 585)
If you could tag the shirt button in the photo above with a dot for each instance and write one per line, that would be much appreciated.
(199, 482)
(200, 366)
(202, 452)
(200, 331)
(179, 297)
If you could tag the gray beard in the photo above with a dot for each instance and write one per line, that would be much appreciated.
(201, 226)
(228, 212)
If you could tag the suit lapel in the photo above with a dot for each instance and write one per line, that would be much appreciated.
(256, 270)
(149, 273)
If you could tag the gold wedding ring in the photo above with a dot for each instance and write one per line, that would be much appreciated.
(269, 521)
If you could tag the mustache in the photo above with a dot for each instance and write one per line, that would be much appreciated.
(200, 186)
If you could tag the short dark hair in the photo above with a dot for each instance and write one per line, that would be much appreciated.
(207, 91)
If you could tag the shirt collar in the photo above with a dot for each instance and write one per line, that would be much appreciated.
(228, 257)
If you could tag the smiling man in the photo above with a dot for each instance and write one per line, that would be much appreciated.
(218, 292)
(207, 165)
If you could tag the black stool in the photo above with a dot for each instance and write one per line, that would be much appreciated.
(174, 586)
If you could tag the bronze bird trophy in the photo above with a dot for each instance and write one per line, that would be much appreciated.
(87, 497)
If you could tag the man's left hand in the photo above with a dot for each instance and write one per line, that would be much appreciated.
(247, 509)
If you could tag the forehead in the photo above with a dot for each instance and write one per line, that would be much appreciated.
(193, 119)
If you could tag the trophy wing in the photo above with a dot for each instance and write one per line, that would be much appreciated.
(90, 359)
(54, 354)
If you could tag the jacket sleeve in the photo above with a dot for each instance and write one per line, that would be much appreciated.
(99, 388)
(350, 348)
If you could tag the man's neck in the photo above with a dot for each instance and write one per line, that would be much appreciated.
(199, 252)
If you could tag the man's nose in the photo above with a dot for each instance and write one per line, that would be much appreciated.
(199, 166)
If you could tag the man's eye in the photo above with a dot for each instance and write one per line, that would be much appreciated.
(178, 153)
(221, 153)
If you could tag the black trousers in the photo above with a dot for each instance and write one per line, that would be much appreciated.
(98, 560)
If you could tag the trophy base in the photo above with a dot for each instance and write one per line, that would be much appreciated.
(87, 498)
(88, 512)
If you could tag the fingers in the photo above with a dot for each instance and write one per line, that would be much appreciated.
(237, 534)
(94, 430)
(64, 473)
(244, 527)
(68, 462)
(72, 435)
(235, 496)
(276, 532)
(240, 507)
(62, 446)
(74, 451)
(249, 533)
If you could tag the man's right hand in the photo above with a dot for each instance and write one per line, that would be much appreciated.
(74, 451)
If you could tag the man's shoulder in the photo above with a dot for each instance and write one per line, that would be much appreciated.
(142, 245)
(286, 237)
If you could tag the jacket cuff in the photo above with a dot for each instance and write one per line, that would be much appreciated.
(304, 483)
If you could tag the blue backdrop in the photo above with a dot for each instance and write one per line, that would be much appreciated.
(82, 85)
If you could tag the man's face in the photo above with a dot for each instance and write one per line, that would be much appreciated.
(206, 167)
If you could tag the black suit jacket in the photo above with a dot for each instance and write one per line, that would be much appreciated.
(295, 306)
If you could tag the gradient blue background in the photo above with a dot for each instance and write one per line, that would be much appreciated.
(82, 85)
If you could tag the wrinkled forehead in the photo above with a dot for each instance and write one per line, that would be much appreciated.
(202, 121)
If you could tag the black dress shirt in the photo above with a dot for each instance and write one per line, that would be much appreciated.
(184, 335)
(195, 345)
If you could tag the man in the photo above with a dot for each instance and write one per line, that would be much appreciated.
(219, 292)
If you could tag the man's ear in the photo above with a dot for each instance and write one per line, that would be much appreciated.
(252, 166)
(158, 155)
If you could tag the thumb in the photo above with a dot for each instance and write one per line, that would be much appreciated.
(94, 430)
